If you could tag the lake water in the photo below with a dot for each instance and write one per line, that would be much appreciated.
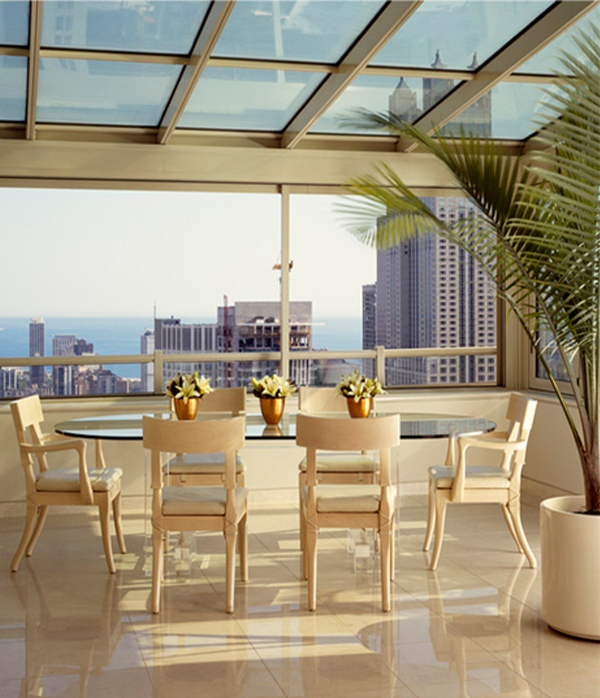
(122, 335)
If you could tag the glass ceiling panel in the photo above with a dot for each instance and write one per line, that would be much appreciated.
(14, 23)
(104, 92)
(510, 110)
(13, 78)
(248, 99)
(406, 97)
(457, 34)
(160, 26)
(295, 30)
(547, 61)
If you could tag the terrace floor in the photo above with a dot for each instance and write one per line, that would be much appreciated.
(471, 629)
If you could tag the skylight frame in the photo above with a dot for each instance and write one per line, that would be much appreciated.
(561, 16)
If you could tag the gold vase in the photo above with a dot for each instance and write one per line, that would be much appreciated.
(186, 410)
(272, 409)
(362, 408)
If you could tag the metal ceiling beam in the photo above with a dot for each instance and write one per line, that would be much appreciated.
(33, 65)
(548, 27)
(385, 25)
(214, 23)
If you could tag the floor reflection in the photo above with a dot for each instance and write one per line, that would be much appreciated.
(470, 629)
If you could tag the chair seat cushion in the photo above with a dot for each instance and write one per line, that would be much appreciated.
(347, 498)
(200, 501)
(476, 476)
(201, 463)
(67, 479)
(343, 463)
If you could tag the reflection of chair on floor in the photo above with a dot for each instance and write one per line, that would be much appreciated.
(191, 658)
(495, 614)
(209, 468)
(328, 670)
(99, 487)
(347, 506)
(75, 640)
(221, 508)
(485, 484)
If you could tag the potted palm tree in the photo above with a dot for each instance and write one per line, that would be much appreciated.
(538, 238)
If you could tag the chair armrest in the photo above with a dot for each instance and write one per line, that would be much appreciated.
(62, 445)
(488, 442)
(67, 445)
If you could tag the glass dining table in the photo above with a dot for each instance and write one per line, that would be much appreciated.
(128, 427)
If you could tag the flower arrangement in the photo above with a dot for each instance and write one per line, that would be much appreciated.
(184, 387)
(273, 387)
(358, 386)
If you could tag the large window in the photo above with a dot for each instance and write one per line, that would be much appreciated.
(182, 278)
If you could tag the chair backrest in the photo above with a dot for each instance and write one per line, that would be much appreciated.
(344, 433)
(520, 414)
(27, 416)
(232, 400)
(320, 400)
(198, 436)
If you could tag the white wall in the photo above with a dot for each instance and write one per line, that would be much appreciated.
(272, 469)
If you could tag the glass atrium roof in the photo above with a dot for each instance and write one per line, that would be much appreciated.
(289, 69)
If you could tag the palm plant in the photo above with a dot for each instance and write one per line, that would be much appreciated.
(537, 235)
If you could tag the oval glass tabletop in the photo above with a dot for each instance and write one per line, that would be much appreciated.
(412, 426)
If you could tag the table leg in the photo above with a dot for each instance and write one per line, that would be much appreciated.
(451, 452)
(99, 454)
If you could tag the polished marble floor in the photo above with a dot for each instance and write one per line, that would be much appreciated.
(471, 629)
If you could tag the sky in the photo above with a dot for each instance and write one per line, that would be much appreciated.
(118, 253)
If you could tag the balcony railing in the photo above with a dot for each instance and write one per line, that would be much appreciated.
(159, 359)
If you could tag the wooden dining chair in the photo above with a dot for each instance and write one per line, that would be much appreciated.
(45, 486)
(334, 468)
(342, 468)
(482, 483)
(223, 508)
(342, 505)
(208, 468)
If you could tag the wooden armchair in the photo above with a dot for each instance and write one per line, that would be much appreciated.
(45, 486)
(493, 484)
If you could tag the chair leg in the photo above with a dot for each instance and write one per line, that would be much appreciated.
(230, 541)
(30, 520)
(440, 517)
(41, 520)
(304, 549)
(430, 517)
(158, 553)
(302, 532)
(104, 512)
(514, 508)
(385, 538)
(243, 546)
(118, 528)
(311, 559)
(511, 527)
(393, 548)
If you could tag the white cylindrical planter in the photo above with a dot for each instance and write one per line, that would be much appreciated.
(570, 567)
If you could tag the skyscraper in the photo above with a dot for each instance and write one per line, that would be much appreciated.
(430, 293)
(147, 370)
(37, 335)
(369, 325)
